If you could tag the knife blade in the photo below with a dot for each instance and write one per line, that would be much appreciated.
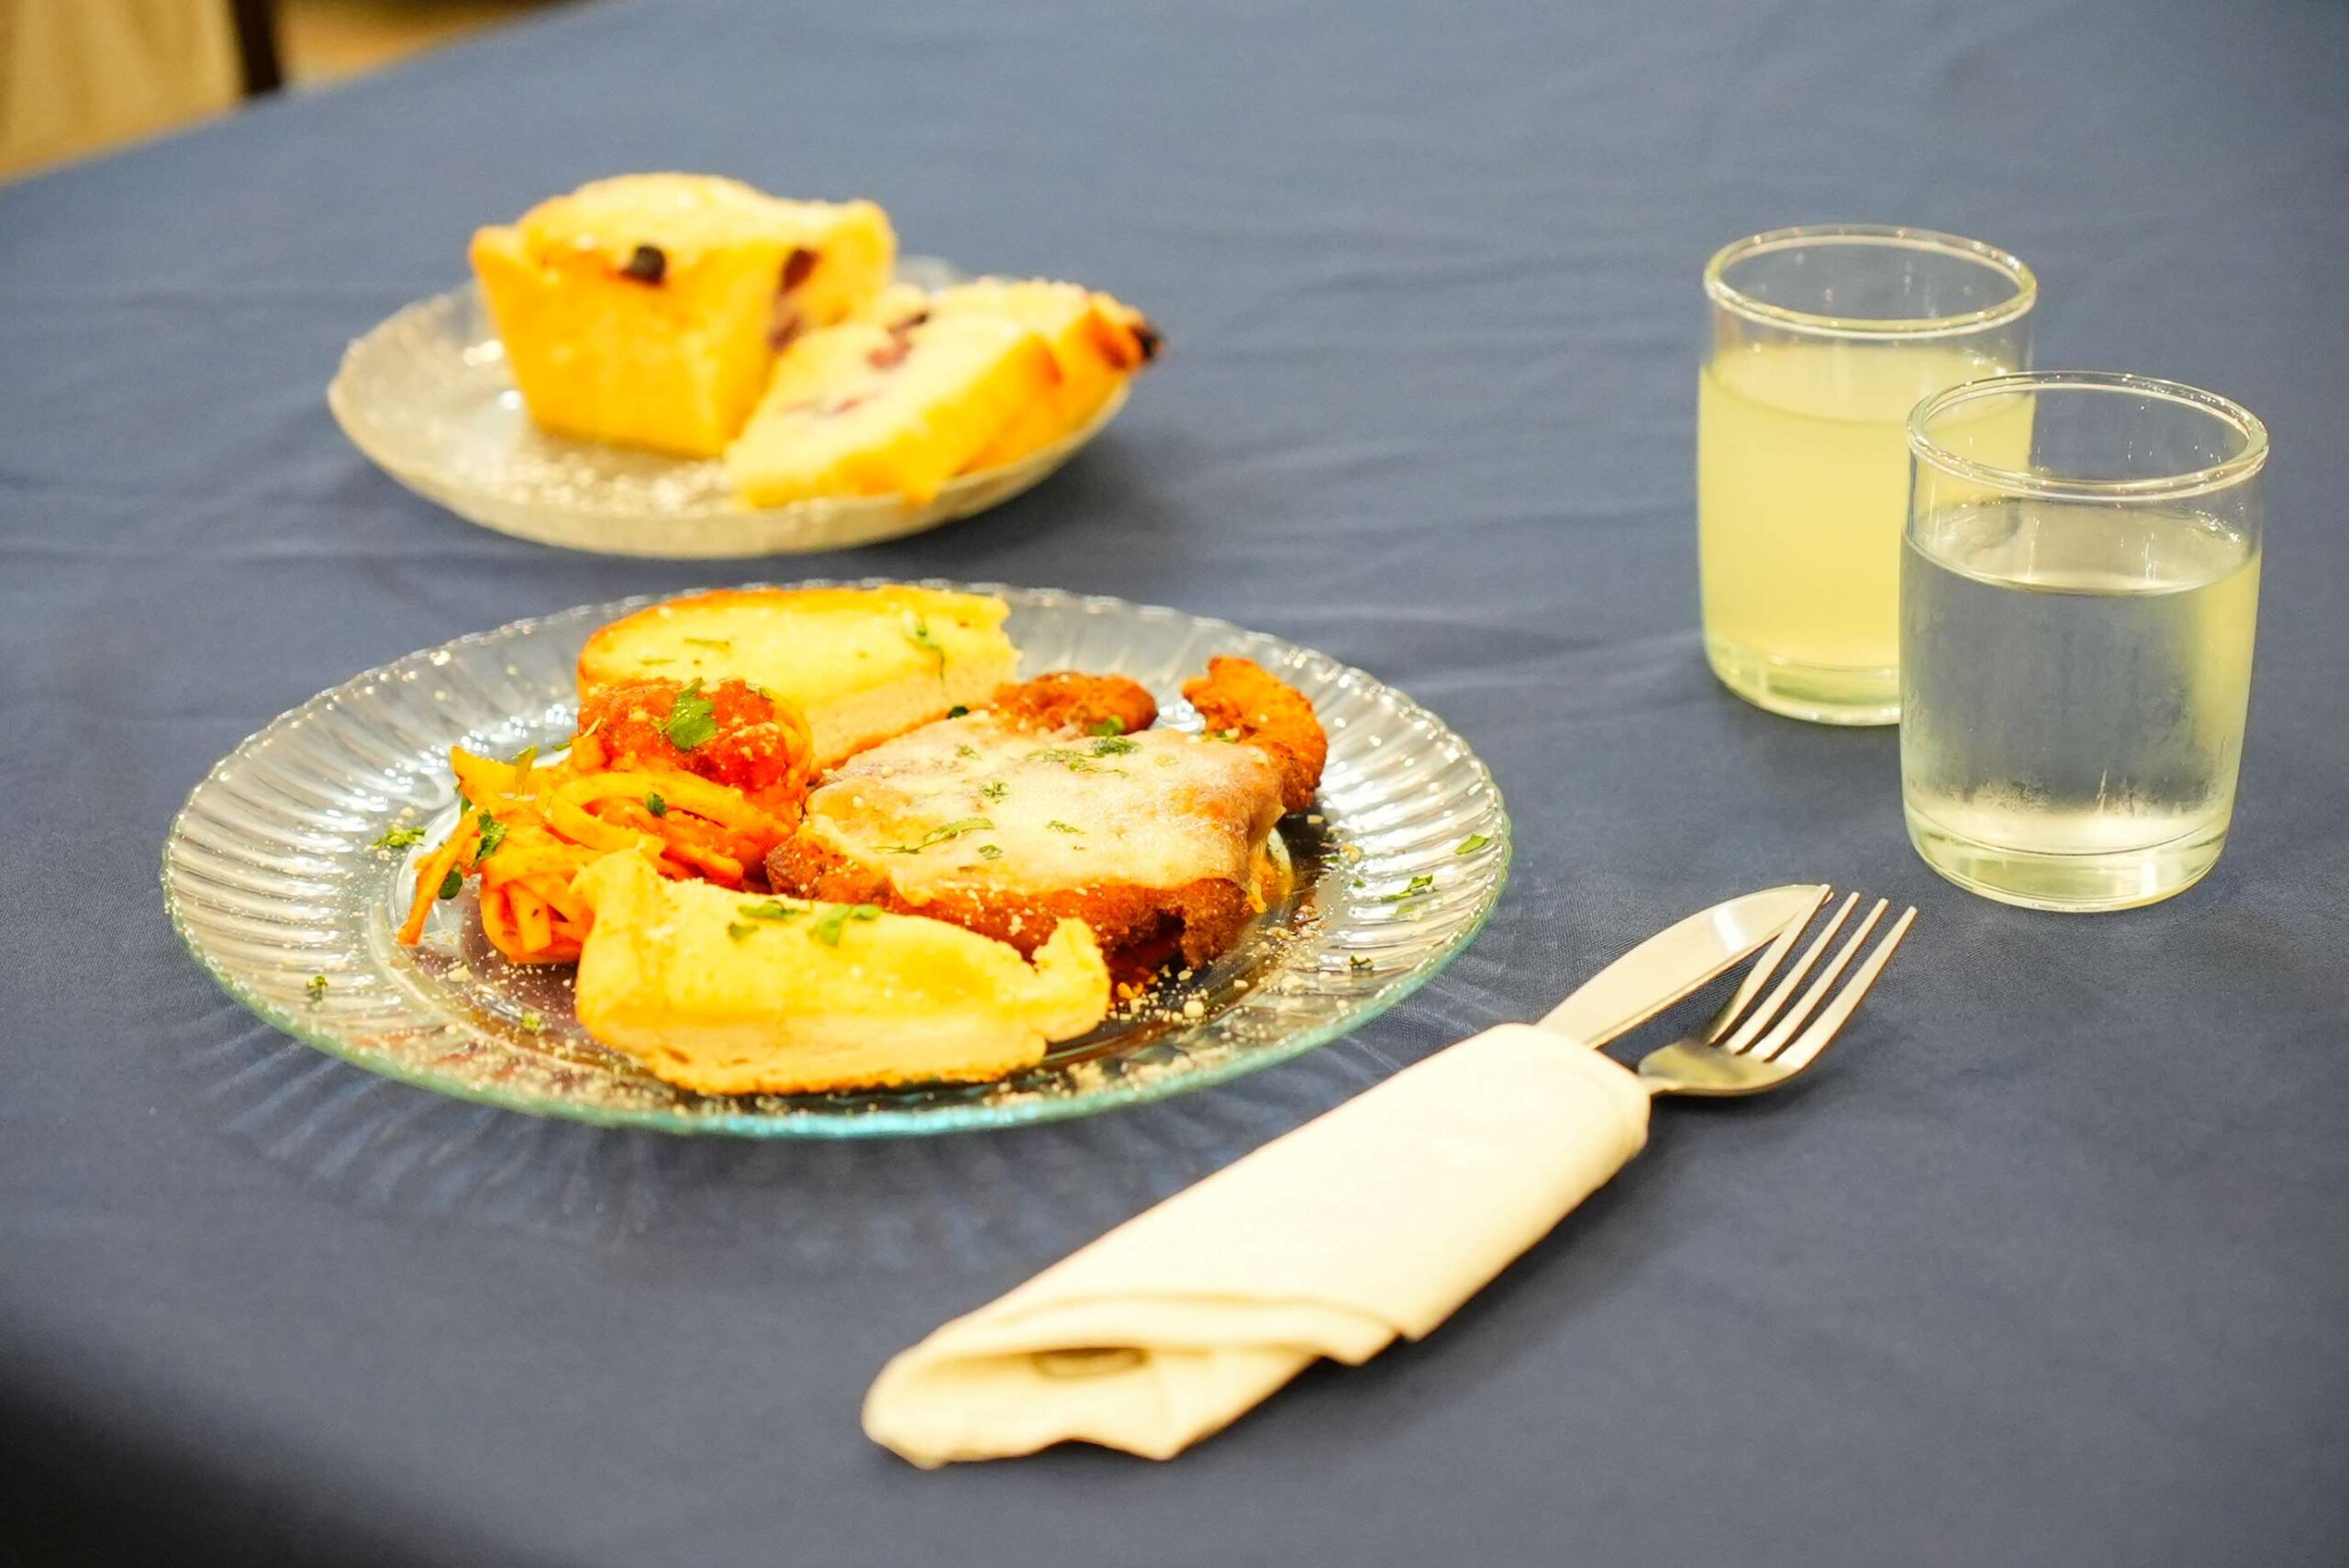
(1678, 960)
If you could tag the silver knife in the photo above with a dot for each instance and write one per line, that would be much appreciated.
(1678, 960)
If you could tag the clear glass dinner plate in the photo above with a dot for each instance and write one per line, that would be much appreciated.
(427, 395)
(272, 876)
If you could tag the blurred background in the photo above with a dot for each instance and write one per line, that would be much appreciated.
(79, 77)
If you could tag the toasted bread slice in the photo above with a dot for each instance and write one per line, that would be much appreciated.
(862, 664)
(1004, 826)
(730, 995)
(647, 309)
(861, 409)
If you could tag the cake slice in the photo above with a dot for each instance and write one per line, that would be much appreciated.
(1097, 342)
(861, 665)
(863, 409)
(647, 309)
(899, 305)
(731, 995)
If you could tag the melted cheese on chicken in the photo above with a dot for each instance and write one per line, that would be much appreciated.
(968, 804)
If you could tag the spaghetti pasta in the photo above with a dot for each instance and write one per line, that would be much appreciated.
(529, 830)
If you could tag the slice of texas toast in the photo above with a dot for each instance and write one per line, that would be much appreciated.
(862, 664)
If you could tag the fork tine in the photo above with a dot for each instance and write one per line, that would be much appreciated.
(1778, 1037)
(1824, 1028)
(1751, 1030)
(1759, 975)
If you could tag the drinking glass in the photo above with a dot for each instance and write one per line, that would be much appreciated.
(1823, 339)
(2076, 635)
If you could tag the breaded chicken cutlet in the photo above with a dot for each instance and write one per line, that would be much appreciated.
(1058, 801)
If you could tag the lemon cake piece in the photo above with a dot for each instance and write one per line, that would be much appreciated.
(729, 994)
(1097, 342)
(861, 665)
(647, 309)
(863, 409)
(899, 305)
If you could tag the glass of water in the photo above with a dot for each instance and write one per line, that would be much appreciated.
(2076, 635)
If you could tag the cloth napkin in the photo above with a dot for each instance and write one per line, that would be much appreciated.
(1375, 1221)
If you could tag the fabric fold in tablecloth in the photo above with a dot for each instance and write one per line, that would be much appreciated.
(1373, 1222)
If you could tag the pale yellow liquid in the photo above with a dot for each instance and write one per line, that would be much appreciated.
(2076, 680)
(1802, 491)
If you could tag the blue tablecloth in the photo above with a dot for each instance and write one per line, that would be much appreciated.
(2049, 1267)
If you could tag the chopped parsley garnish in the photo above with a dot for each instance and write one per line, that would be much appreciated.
(523, 761)
(534, 1022)
(492, 833)
(1073, 761)
(918, 633)
(966, 750)
(1419, 886)
(693, 719)
(995, 791)
(398, 838)
(316, 990)
(649, 662)
(769, 909)
(1057, 826)
(836, 916)
(654, 803)
(1112, 725)
(738, 929)
(990, 852)
(1358, 963)
(1471, 844)
(452, 884)
(1233, 735)
(1115, 746)
(957, 711)
(725, 642)
(938, 836)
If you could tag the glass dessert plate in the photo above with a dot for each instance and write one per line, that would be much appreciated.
(273, 877)
(427, 397)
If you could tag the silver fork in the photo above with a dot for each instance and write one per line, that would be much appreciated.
(1749, 1047)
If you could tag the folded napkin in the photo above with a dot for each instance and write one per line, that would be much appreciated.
(1375, 1221)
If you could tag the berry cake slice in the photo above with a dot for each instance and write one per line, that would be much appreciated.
(863, 409)
(647, 309)
(1097, 341)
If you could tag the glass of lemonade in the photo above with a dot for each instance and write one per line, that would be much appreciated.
(2076, 635)
(1823, 339)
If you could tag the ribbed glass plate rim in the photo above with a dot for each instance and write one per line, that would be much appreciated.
(1485, 823)
(419, 463)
